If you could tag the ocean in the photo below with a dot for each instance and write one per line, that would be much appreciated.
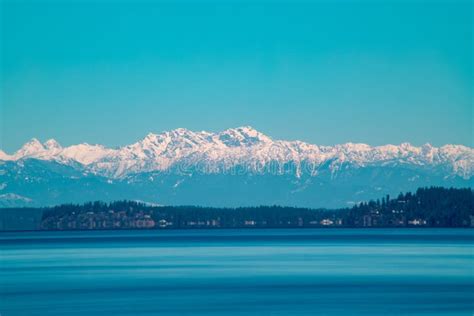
(238, 272)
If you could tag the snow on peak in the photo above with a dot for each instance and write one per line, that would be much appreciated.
(30, 149)
(4, 156)
(242, 136)
(186, 137)
(52, 150)
(179, 132)
(242, 146)
(33, 144)
(85, 153)
(169, 143)
(52, 144)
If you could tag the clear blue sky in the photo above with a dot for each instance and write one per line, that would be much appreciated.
(324, 72)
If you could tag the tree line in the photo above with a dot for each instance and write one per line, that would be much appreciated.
(427, 207)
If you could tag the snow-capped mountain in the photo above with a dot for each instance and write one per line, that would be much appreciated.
(240, 153)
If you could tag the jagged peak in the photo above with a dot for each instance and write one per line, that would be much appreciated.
(242, 136)
(30, 147)
(33, 142)
(150, 137)
(245, 135)
(406, 145)
(180, 131)
(51, 144)
(177, 132)
(246, 130)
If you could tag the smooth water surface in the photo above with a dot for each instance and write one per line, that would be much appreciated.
(238, 272)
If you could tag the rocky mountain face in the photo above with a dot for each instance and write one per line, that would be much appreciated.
(235, 167)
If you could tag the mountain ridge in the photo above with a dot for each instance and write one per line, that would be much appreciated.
(237, 146)
(232, 168)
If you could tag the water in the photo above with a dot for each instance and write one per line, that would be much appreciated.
(238, 272)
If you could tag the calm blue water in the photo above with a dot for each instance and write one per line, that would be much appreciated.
(238, 272)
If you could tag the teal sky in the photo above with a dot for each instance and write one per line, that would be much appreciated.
(330, 72)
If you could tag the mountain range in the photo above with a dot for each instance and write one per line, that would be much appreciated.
(236, 167)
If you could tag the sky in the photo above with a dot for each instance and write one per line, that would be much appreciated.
(110, 72)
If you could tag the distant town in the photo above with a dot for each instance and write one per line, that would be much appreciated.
(427, 207)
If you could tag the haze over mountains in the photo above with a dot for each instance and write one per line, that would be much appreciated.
(236, 167)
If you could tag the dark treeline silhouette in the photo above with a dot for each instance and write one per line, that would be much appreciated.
(427, 207)
(434, 207)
